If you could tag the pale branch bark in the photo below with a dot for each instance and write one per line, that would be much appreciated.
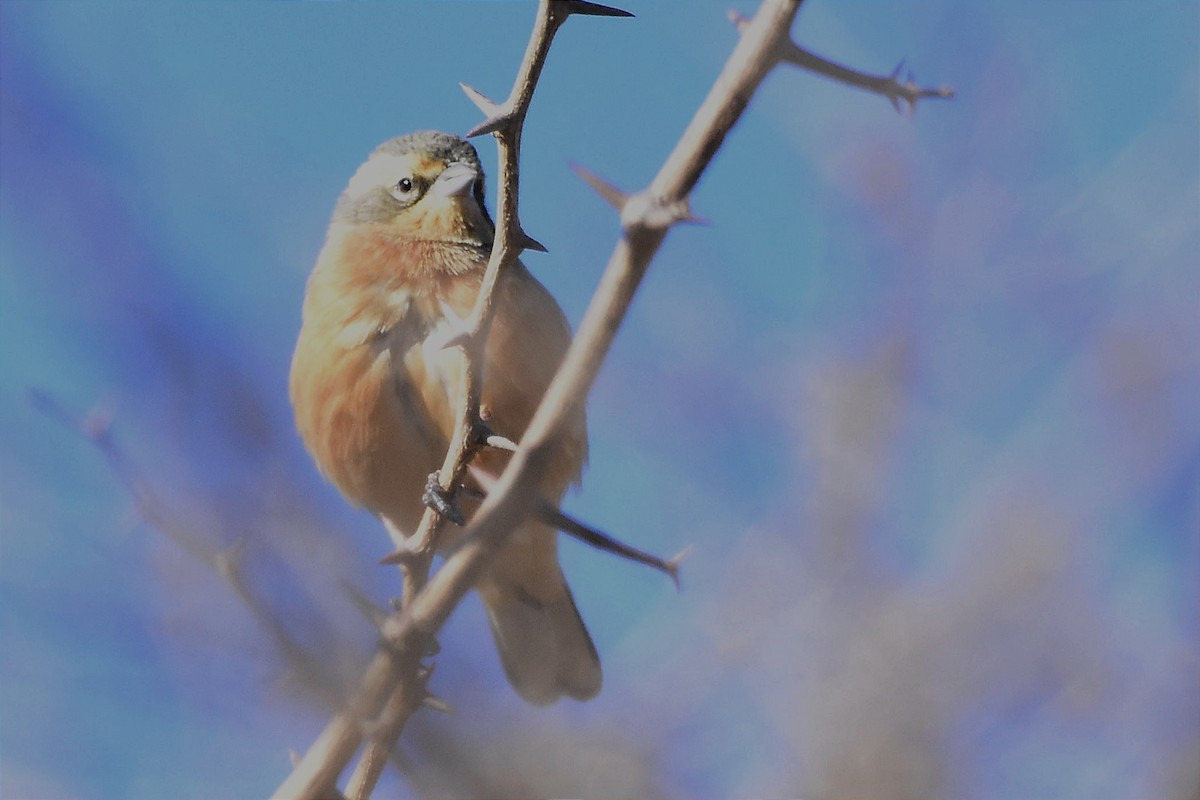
(889, 86)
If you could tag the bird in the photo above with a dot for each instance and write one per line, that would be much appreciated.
(375, 390)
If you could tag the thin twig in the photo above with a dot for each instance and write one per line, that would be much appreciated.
(890, 86)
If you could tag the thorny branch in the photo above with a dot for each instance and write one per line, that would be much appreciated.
(646, 216)
(394, 684)
(888, 86)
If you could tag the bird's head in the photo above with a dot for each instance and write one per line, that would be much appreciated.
(425, 186)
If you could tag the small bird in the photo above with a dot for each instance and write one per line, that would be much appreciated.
(375, 390)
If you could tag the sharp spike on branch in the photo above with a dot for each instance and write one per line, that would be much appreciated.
(674, 562)
(551, 515)
(529, 243)
(402, 556)
(435, 703)
(462, 339)
(611, 194)
(500, 443)
(586, 9)
(481, 101)
(490, 125)
(737, 19)
(486, 436)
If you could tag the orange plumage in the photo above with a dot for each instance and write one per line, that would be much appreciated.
(375, 392)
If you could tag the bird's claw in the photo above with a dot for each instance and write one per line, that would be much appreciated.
(441, 501)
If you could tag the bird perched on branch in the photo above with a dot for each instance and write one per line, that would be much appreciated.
(376, 391)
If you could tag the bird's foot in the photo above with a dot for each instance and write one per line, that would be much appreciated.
(442, 501)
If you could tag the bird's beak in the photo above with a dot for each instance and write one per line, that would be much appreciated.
(455, 180)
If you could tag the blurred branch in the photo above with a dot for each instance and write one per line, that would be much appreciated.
(888, 86)
(96, 428)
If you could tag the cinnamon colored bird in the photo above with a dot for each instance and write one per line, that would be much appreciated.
(375, 390)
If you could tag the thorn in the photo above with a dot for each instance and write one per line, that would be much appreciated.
(480, 100)
(401, 555)
(738, 20)
(529, 243)
(486, 436)
(500, 442)
(586, 9)
(491, 124)
(674, 562)
(294, 757)
(611, 194)
(462, 339)
(435, 703)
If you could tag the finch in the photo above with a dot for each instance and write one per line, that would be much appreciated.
(375, 390)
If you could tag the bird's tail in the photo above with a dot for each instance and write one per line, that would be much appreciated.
(544, 646)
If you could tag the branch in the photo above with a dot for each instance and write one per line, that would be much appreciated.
(552, 515)
(515, 496)
(96, 428)
(888, 86)
(645, 217)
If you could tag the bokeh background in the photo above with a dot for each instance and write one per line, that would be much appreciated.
(924, 397)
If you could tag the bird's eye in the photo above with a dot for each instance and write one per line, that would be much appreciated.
(407, 190)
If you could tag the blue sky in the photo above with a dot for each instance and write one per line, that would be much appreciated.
(924, 397)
